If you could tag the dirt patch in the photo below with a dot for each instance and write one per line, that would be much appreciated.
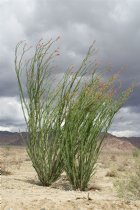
(21, 190)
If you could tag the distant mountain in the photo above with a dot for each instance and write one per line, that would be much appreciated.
(9, 138)
(117, 142)
(133, 140)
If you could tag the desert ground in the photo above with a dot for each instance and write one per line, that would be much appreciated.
(21, 190)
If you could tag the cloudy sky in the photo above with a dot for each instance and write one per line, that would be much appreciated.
(114, 24)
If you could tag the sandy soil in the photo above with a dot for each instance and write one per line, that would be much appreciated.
(21, 189)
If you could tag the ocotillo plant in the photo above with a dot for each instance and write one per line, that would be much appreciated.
(86, 123)
(39, 104)
(66, 124)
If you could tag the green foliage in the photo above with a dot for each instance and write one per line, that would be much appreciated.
(43, 117)
(86, 124)
(66, 124)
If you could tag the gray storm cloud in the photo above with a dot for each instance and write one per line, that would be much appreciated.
(113, 24)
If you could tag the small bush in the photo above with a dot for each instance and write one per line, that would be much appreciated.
(4, 171)
(136, 153)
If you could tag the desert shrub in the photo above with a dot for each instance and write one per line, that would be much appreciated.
(67, 123)
(136, 153)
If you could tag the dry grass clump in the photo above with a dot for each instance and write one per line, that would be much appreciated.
(94, 187)
(113, 158)
(4, 171)
(121, 168)
(17, 163)
(111, 173)
(8, 163)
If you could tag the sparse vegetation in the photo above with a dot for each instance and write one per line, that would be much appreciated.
(4, 164)
(66, 124)
(136, 153)
(129, 185)
(4, 172)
